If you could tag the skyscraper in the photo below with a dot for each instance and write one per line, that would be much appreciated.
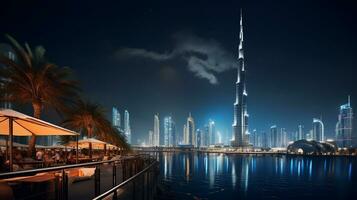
(190, 135)
(212, 132)
(300, 133)
(127, 130)
(253, 138)
(283, 139)
(240, 120)
(274, 136)
(184, 135)
(169, 132)
(205, 139)
(318, 130)
(116, 120)
(151, 138)
(344, 126)
(156, 130)
(266, 140)
(198, 138)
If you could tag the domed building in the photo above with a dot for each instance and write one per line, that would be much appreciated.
(312, 147)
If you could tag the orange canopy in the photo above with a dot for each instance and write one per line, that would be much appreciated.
(24, 125)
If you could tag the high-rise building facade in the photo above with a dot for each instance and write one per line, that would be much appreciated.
(198, 138)
(240, 119)
(205, 139)
(344, 126)
(266, 139)
(300, 133)
(151, 138)
(184, 135)
(116, 119)
(156, 130)
(274, 136)
(127, 129)
(318, 130)
(169, 132)
(212, 132)
(253, 138)
(283, 138)
(190, 135)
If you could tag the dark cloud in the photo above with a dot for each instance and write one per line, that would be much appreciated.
(204, 58)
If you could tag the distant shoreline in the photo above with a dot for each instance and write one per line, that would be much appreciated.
(243, 153)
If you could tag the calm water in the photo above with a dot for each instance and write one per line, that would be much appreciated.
(220, 176)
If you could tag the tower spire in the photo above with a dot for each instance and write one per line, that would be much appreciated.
(349, 100)
(240, 49)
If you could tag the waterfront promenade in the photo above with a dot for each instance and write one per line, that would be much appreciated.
(132, 175)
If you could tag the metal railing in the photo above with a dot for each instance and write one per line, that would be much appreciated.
(129, 167)
(144, 191)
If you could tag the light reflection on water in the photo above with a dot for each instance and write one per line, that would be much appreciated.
(217, 176)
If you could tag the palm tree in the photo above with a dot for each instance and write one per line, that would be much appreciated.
(89, 118)
(32, 79)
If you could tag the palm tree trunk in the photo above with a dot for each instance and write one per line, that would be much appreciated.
(89, 131)
(37, 114)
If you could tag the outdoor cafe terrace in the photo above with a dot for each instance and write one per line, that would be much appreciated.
(62, 171)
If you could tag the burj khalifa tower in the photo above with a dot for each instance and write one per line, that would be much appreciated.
(240, 121)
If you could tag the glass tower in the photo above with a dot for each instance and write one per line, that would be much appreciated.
(190, 135)
(127, 130)
(344, 125)
(211, 132)
(318, 130)
(116, 121)
(156, 137)
(169, 132)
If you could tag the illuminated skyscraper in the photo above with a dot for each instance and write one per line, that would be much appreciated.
(169, 132)
(189, 134)
(184, 135)
(151, 138)
(300, 133)
(205, 136)
(274, 136)
(198, 138)
(127, 130)
(240, 120)
(283, 139)
(212, 132)
(156, 136)
(318, 130)
(116, 120)
(253, 138)
(344, 126)
(266, 139)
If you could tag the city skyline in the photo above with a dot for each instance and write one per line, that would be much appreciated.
(280, 52)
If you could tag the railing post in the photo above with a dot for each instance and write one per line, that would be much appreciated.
(114, 174)
(97, 181)
(58, 186)
(64, 185)
(123, 170)
(143, 187)
(147, 185)
(114, 180)
(133, 189)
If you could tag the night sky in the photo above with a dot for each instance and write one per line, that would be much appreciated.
(178, 57)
